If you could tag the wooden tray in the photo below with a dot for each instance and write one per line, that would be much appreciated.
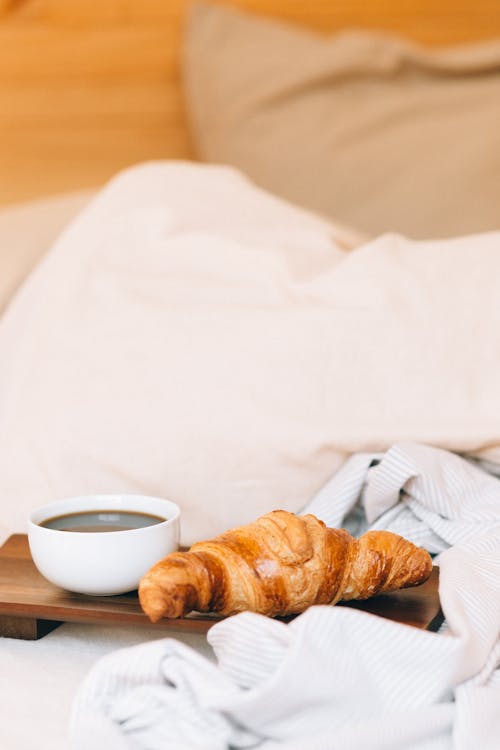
(30, 606)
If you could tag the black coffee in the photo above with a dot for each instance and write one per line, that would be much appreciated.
(102, 520)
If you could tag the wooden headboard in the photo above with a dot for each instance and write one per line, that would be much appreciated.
(90, 86)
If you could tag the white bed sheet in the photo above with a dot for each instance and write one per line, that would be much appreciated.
(39, 679)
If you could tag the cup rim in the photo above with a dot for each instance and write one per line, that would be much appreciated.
(43, 512)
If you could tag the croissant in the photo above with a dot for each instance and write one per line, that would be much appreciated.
(280, 565)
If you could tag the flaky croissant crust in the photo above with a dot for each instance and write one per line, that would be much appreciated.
(280, 565)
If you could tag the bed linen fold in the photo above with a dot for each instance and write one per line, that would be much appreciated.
(335, 677)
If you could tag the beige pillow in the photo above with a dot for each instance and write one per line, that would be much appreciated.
(374, 131)
(27, 230)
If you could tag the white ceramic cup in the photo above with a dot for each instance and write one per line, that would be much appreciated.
(102, 563)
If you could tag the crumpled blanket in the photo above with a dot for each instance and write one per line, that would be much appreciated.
(334, 677)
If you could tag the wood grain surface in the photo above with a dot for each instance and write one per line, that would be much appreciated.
(88, 87)
(30, 606)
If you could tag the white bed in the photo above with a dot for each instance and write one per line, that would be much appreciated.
(142, 230)
(38, 680)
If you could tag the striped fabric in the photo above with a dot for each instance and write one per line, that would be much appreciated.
(334, 678)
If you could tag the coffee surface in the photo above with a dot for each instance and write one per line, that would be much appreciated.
(101, 520)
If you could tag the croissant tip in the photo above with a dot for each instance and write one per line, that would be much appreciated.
(422, 567)
(154, 618)
(152, 602)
